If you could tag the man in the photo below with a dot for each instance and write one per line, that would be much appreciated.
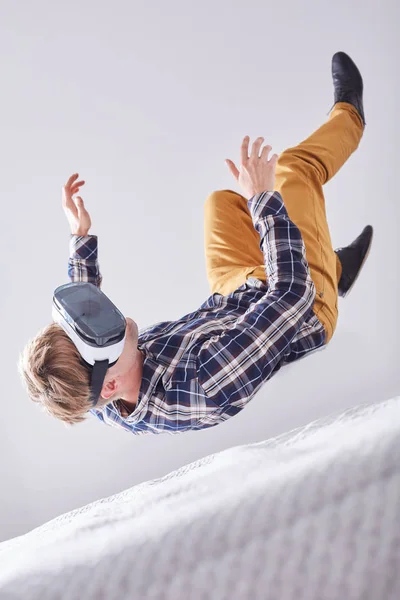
(274, 278)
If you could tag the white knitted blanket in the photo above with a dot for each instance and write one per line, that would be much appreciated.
(311, 515)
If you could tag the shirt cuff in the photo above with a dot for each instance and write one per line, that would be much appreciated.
(267, 203)
(83, 247)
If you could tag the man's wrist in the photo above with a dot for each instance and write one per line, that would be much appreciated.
(80, 233)
(264, 191)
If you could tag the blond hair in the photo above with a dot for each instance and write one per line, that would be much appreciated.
(55, 376)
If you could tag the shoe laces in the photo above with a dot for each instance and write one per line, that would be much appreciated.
(340, 92)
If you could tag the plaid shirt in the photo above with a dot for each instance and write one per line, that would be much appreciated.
(205, 367)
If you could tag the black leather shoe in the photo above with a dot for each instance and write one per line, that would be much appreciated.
(353, 258)
(347, 82)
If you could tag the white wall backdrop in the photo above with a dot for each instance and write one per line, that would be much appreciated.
(145, 101)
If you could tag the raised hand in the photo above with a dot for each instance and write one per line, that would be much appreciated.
(257, 173)
(74, 208)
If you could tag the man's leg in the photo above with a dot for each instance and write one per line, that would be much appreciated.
(231, 242)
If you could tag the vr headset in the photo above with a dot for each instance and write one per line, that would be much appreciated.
(94, 324)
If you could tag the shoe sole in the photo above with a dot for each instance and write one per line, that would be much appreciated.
(361, 266)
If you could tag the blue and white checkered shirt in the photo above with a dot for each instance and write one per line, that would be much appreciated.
(205, 367)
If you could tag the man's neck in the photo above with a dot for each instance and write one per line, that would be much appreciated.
(129, 400)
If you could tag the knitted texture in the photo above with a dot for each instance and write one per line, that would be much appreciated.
(310, 515)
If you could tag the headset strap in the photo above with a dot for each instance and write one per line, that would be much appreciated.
(99, 370)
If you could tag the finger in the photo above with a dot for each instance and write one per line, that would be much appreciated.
(78, 183)
(255, 152)
(83, 215)
(80, 205)
(76, 186)
(274, 159)
(265, 151)
(72, 179)
(233, 169)
(245, 149)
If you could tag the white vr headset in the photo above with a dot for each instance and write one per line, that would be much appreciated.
(95, 326)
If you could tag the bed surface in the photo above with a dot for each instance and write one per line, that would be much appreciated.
(312, 514)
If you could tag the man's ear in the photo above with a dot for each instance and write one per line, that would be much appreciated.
(109, 389)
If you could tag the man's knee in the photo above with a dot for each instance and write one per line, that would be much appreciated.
(220, 196)
(303, 164)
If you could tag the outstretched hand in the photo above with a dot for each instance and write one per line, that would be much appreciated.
(257, 172)
(74, 208)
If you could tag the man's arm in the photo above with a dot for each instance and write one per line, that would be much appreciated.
(83, 264)
(233, 365)
(83, 261)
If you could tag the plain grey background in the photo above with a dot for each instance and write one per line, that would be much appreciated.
(145, 101)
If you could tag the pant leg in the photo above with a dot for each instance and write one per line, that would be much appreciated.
(231, 242)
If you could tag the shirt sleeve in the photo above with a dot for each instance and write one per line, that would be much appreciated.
(83, 262)
(232, 365)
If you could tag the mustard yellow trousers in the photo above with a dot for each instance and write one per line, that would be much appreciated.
(232, 244)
